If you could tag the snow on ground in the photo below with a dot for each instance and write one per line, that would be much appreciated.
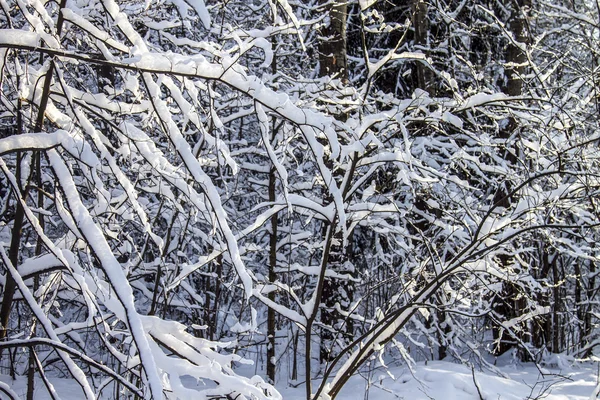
(67, 389)
(438, 380)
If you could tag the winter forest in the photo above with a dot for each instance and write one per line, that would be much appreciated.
(206, 199)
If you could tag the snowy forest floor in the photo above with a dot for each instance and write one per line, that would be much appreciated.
(441, 380)
(438, 380)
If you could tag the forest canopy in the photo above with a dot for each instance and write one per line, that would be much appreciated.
(189, 185)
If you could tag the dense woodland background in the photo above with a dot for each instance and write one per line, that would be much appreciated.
(318, 186)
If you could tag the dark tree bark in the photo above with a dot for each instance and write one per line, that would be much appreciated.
(13, 254)
(516, 58)
(515, 68)
(271, 328)
(333, 62)
(332, 44)
(423, 75)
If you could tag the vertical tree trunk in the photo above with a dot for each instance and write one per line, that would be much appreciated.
(333, 62)
(423, 76)
(295, 338)
(13, 254)
(155, 294)
(208, 311)
(556, 305)
(215, 314)
(332, 44)
(515, 56)
(591, 291)
(271, 323)
(515, 61)
(36, 279)
(579, 308)
(272, 277)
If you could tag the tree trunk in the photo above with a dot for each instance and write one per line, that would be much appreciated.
(332, 43)
(272, 278)
(515, 60)
(556, 326)
(515, 56)
(13, 254)
(591, 291)
(423, 76)
(333, 62)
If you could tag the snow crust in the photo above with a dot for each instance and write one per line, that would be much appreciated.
(437, 380)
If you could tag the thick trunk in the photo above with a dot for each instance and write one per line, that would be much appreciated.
(332, 45)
